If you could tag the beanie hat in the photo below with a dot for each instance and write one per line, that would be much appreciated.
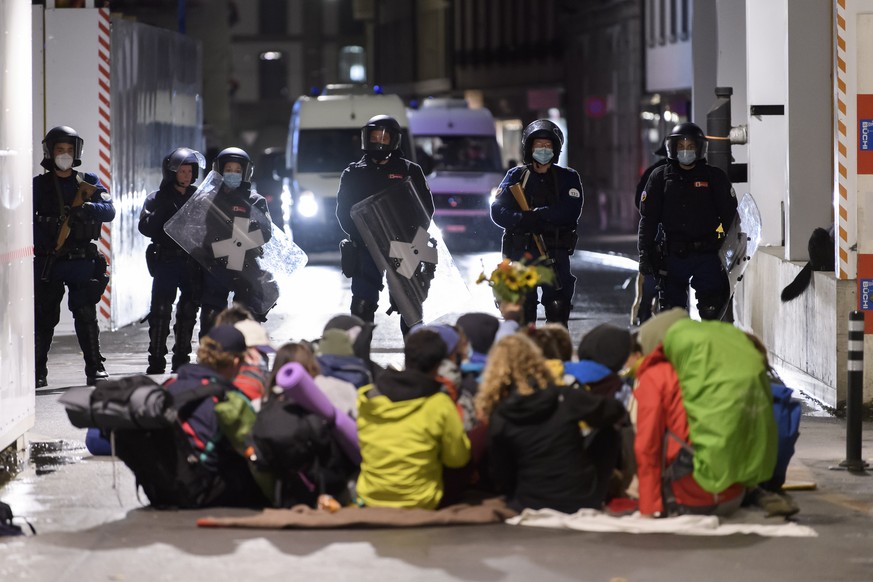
(335, 342)
(653, 331)
(607, 345)
(481, 329)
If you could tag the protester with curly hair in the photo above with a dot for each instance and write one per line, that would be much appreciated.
(538, 456)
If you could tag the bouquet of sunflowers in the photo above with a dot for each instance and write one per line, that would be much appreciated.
(512, 280)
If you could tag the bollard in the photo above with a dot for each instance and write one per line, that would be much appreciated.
(855, 393)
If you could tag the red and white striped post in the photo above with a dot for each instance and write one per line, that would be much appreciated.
(104, 309)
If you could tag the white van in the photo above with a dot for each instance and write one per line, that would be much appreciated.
(324, 137)
(458, 146)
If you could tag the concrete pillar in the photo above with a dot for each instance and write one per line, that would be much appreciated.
(810, 124)
(767, 79)
(704, 51)
(731, 20)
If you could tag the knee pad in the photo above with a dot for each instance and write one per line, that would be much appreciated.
(364, 308)
(557, 311)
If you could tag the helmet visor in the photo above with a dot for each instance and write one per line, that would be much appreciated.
(182, 157)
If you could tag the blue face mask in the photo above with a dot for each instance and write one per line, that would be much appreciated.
(686, 157)
(232, 180)
(543, 155)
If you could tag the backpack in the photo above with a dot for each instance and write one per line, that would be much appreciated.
(293, 444)
(787, 413)
(7, 527)
(126, 403)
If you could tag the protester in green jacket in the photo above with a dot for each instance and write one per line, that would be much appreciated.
(409, 430)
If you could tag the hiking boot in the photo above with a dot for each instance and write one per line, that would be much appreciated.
(775, 504)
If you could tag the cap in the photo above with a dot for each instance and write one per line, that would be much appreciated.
(255, 335)
(481, 329)
(606, 344)
(229, 338)
(446, 332)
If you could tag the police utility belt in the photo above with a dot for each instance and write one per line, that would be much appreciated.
(683, 248)
(552, 238)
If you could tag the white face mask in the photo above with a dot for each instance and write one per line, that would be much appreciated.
(232, 180)
(64, 162)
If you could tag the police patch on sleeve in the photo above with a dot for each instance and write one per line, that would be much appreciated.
(105, 196)
(574, 193)
(643, 196)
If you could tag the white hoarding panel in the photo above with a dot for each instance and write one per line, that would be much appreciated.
(17, 394)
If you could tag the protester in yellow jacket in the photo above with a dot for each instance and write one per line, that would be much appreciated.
(409, 430)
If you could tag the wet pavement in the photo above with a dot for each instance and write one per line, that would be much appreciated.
(92, 526)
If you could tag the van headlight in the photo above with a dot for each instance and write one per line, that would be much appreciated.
(307, 205)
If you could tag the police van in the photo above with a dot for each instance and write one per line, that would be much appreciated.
(457, 147)
(324, 137)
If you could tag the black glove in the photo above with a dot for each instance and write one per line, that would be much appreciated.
(528, 223)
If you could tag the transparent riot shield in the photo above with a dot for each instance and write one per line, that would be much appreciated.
(236, 243)
(741, 240)
(423, 281)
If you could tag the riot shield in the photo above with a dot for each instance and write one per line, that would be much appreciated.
(236, 243)
(741, 240)
(423, 281)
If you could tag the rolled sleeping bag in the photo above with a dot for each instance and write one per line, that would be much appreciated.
(300, 386)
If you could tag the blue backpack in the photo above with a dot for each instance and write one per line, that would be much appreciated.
(787, 412)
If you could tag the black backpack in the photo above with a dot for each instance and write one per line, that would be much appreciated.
(296, 446)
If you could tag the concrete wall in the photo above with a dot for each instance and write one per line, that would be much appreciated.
(808, 334)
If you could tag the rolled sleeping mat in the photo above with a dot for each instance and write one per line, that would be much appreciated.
(300, 386)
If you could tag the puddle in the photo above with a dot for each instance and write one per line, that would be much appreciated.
(47, 456)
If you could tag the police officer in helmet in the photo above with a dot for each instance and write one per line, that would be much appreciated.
(554, 196)
(381, 167)
(254, 288)
(70, 208)
(693, 202)
(170, 265)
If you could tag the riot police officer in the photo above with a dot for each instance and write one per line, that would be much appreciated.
(554, 197)
(70, 208)
(252, 287)
(170, 265)
(690, 200)
(381, 167)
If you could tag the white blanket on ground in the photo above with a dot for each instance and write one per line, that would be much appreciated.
(742, 522)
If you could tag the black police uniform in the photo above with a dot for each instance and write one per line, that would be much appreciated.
(689, 205)
(359, 181)
(555, 198)
(78, 265)
(648, 290)
(172, 269)
(252, 287)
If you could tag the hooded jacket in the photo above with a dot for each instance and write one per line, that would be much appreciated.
(537, 453)
(408, 430)
(659, 409)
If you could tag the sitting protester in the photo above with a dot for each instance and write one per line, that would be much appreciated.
(208, 430)
(252, 377)
(603, 352)
(480, 329)
(705, 426)
(408, 430)
(539, 457)
(554, 341)
(344, 350)
(342, 394)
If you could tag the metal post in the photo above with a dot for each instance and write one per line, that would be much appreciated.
(855, 393)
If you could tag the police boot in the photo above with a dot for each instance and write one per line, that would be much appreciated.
(364, 308)
(183, 331)
(88, 334)
(207, 319)
(159, 329)
(558, 311)
(42, 340)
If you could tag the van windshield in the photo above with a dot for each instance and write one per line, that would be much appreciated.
(329, 151)
(459, 153)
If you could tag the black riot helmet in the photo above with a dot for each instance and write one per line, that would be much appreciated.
(234, 155)
(61, 134)
(180, 157)
(690, 131)
(389, 126)
(541, 129)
